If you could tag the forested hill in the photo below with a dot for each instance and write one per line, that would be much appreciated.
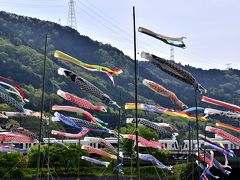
(21, 58)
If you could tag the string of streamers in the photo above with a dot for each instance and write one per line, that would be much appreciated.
(90, 67)
(4, 98)
(171, 68)
(102, 142)
(69, 135)
(10, 137)
(162, 110)
(177, 42)
(26, 113)
(149, 157)
(80, 101)
(16, 85)
(216, 146)
(159, 129)
(220, 103)
(87, 86)
(143, 142)
(74, 109)
(12, 90)
(165, 92)
(99, 152)
(223, 134)
(19, 130)
(95, 161)
(227, 126)
(227, 114)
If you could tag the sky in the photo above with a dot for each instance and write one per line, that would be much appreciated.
(212, 27)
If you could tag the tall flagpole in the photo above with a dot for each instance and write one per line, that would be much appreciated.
(119, 124)
(136, 94)
(197, 122)
(42, 108)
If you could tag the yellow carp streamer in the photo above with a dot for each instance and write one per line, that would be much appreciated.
(162, 110)
(90, 67)
(220, 124)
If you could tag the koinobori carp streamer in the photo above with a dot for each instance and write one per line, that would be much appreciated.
(95, 161)
(227, 126)
(149, 157)
(88, 87)
(99, 152)
(228, 114)
(74, 109)
(223, 134)
(4, 98)
(163, 91)
(174, 70)
(102, 142)
(80, 101)
(70, 135)
(162, 110)
(220, 103)
(90, 67)
(143, 142)
(177, 42)
(149, 124)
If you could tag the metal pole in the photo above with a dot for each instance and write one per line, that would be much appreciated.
(197, 122)
(42, 108)
(48, 151)
(189, 142)
(79, 160)
(119, 124)
(136, 94)
(205, 134)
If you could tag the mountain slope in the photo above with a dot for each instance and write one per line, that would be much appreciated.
(21, 58)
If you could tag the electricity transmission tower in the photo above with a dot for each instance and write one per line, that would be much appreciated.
(71, 21)
(228, 66)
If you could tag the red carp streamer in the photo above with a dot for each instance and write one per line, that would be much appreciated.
(75, 136)
(80, 101)
(99, 152)
(223, 134)
(221, 103)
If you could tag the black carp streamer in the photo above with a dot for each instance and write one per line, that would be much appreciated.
(174, 70)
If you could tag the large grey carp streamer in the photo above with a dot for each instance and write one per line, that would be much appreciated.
(4, 98)
(87, 86)
(153, 126)
(174, 70)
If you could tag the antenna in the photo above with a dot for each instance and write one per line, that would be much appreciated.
(59, 21)
(172, 53)
(71, 21)
(228, 66)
